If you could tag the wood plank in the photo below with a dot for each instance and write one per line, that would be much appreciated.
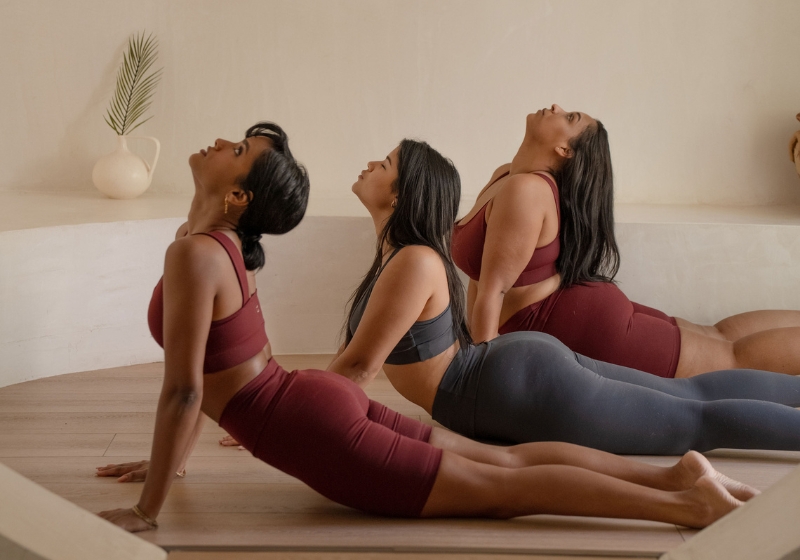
(63, 384)
(98, 402)
(241, 468)
(134, 445)
(288, 496)
(350, 530)
(353, 555)
(54, 445)
(152, 370)
(76, 422)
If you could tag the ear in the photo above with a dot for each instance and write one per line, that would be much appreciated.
(565, 152)
(239, 197)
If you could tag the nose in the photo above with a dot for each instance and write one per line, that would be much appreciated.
(219, 143)
(556, 109)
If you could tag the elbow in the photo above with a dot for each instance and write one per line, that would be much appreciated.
(362, 376)
(184, 398)
(359, 373)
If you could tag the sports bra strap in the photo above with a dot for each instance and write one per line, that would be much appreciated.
(555, 192)
(237, 260)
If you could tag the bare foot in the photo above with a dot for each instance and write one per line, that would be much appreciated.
(711, 502)
(693, 466)
(230, 441)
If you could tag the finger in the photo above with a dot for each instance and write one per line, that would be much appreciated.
(133, 476)
(138, 476)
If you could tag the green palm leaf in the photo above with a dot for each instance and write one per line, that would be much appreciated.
(135, 86)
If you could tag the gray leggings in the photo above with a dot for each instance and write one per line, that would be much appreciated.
(528, 386)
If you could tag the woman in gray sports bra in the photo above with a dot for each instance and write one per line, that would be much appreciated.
(408, 317)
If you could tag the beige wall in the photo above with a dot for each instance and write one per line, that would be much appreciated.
(699, 96)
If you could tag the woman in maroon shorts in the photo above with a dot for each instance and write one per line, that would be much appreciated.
(319, 426)
(539, 249)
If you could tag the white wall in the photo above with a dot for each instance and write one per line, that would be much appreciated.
(699, 96)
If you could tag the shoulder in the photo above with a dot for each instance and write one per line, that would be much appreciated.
(194, 253)
(524, 188)
(415, 260)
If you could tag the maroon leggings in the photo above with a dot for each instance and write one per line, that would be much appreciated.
(322, 429)
(599, 321)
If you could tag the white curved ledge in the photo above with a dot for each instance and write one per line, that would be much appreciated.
(77, 271)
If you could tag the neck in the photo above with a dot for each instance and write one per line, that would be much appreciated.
(205, 216)
(532, 158)
(379, 220)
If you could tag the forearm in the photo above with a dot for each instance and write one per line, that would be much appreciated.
(486, 315)
(176, 423)
(198, 429)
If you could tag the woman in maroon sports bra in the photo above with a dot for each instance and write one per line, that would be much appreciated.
(319, 426)
(539, 249)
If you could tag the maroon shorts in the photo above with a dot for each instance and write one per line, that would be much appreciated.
(322, 429)
(598, 321)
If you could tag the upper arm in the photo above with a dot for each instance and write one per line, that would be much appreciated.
(398, 299)
(189, 292)
(512, 230)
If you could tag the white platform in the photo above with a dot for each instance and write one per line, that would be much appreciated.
(77, 271)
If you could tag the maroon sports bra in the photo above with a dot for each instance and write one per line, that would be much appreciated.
(232, 340)
(468, 241)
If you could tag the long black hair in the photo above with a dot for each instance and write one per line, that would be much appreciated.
(279, 188)
(585, 182)
(428, 191)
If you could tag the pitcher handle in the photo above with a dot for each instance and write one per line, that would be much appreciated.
(152, 167)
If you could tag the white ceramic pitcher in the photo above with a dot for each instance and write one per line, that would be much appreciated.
(122, 174)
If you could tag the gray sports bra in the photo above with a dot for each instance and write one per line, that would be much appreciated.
(423, 341)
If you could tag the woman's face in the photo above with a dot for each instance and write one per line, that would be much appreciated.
(226, 164)
(554, 127)
(375, 185)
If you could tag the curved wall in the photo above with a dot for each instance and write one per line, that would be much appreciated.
(74, 297)
(699, 97)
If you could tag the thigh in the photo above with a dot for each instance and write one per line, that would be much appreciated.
(398, 423)
(534, 389)
(728, 384)
(321, 433)
(599, 321)
(744, 324)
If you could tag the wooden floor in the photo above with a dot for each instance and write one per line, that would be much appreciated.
(231, 506)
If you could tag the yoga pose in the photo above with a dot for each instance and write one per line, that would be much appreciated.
(407, 316)
(322, 428)
(539, 249)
